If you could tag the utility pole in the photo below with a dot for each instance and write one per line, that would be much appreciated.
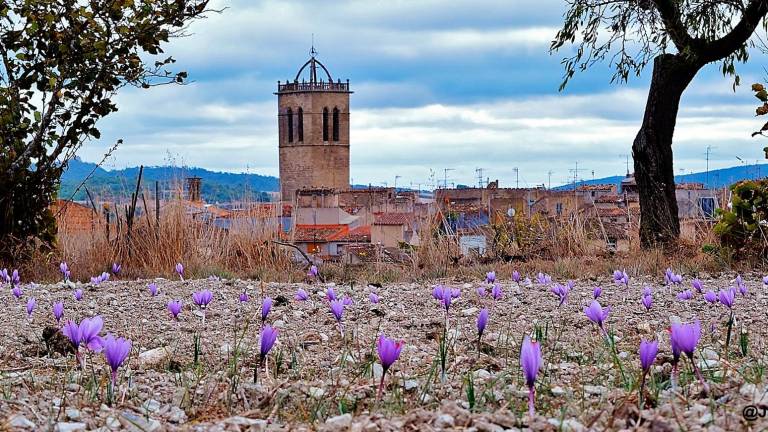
(396, 177)
(445, 177)
(709, 150)
(626, 156)
(549, 179)
(479, 172)
(517, 177)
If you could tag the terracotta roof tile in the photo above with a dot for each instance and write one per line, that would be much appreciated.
(392, 219)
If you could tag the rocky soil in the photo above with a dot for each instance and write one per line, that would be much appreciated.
(315, 379)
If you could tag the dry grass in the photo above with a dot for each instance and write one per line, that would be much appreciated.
(565, 249)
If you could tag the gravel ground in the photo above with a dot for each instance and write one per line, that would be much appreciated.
(315, 379)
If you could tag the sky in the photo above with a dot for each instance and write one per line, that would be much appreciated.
(440, 90)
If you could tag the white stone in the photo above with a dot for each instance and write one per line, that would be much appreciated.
(72, 413)
(378, 371)
(69, 427)
(154, 357)
(469, 311)
(411, 384)
(444, 421)
(151, 405)
(20, 422)
(481, 374)
(340, 422)
(177, 415)
(557, 391)
(569, 425)
(595, 390)
(316, 392)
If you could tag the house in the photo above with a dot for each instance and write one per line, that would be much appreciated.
(394, 229)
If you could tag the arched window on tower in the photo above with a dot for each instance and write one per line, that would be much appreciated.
(300, 118)
(335, 124)
(325, 124)
(290, 125)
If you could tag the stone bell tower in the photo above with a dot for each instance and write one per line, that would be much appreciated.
(313, 125)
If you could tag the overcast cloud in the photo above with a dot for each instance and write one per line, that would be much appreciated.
(460, 85)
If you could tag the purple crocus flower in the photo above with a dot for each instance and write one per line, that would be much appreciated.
(697, 285)
(152, 287)
(202, 298)
(180, 270)
(266, 307)
(710, 296)
(437, 292)
(481, 292)
(89, 333)
(301, 295)
(116, 268)
(58, 311)
(726, 298)
(64, 269)
(31, 304)
(684, 338)
(648, 352)
(516, 276)
(244, 297)
(389, 352)
(685, 295)
(86, 333)
(174, 307)
(561, 291)
(647, 301)
(647, 291)
(597, 292)
(530, 362)
(337, 308)
(765, 280)
(743, 290)
(482, 321)
(347, 301)
(597, 314)
(490, 277)
(78, 294)
(15, 278)
(267, 341)
(313, 272)
(330, 294)
(373, 297)
(455, 293)
(543, 278)
(116, 350)
(618, 275)
(496, 292)
(621, 277)
(4, 278)
(17, 292)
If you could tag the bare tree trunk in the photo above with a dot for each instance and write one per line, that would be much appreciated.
(652, 150)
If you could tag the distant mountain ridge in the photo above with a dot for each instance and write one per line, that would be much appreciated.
(716, 179)
(216, 186)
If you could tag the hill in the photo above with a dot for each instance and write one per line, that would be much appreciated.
(116, 184)
(716, 179)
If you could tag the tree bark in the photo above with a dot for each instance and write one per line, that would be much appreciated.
(652, 150)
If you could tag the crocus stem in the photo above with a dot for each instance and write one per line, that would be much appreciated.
(531, 395)
(642, 389)
(256, 369)
(673, 376)
(381, 385)
(698, 375)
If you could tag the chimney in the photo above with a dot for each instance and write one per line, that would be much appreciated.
(193, 188)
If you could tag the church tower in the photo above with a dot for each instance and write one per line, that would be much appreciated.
(313, 125)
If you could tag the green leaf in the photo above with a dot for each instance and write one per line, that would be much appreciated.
(38, 116)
